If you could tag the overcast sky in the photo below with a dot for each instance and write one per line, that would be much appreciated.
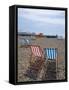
(48, 22)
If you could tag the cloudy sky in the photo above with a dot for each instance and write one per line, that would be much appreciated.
(48, 22)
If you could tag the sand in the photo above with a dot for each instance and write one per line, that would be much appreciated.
(24, 57)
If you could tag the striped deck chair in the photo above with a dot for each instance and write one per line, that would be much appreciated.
(51, 63)
(36, 62)
(37, 53)
(50, 53)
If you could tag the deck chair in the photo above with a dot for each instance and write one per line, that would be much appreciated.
(51, 63)
(37, 59)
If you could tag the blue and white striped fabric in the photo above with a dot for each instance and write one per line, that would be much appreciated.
(50, 53)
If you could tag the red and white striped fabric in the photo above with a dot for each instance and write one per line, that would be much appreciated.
(36, 51)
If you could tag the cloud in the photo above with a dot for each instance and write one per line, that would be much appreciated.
(44, 16)
(45, 21)
(22, 11)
